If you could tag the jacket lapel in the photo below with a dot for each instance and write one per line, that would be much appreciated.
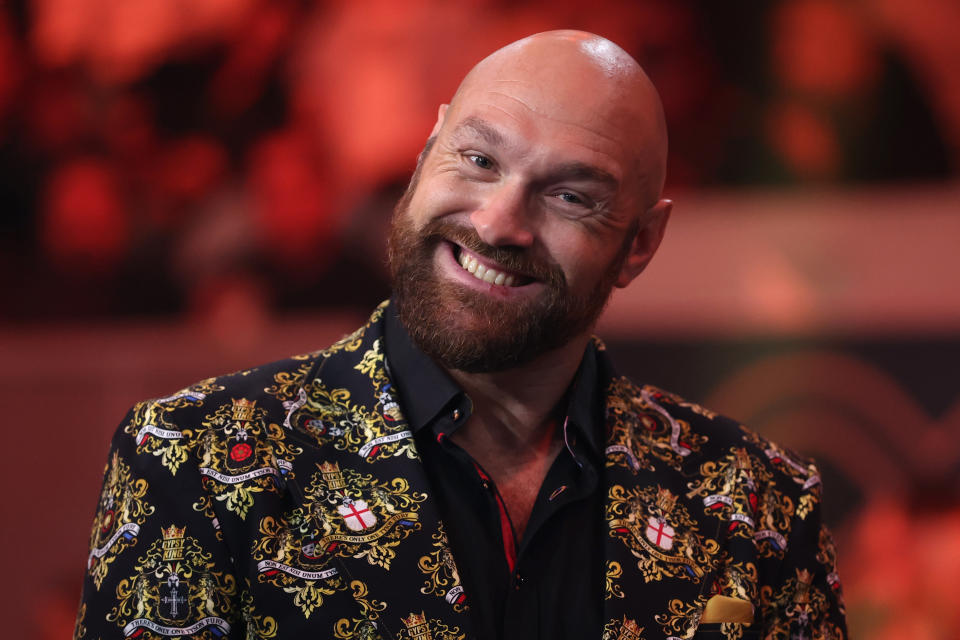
(365, 496)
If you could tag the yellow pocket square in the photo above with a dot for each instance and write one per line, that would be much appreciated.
(727, 609)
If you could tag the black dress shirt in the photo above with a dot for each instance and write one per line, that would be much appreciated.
(550, 583)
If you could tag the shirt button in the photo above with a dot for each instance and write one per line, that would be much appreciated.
(518, 581)
(456, 414)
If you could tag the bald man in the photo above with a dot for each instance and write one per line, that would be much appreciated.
(468, 464)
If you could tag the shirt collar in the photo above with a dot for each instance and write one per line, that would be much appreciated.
(426, 390)
(424, 387)
(586, 405)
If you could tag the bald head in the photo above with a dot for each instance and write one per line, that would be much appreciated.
(584, 80)
(538, 194)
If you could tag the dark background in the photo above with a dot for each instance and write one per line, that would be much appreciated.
(189, 187)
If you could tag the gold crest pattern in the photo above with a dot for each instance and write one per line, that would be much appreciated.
(175, 591)
(153, 431)
(659, 533)
(356, 515)
(807, 609)
(613, 573)
(736, 578)
(443, 579)
(240, 455)
(365, 626)
(256, 626)
(288, 557)
(643, 433)
(681, 619)
(334, 417)
(739, 488)
(344, 514)
(121, 512)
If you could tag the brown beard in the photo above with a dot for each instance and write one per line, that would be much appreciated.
(472, 332)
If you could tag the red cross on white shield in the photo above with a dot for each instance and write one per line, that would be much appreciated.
(356, 515)
(660, 533)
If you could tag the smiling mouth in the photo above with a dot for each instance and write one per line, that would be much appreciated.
(484, 273)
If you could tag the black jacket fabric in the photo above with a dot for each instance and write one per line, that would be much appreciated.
(289, 501)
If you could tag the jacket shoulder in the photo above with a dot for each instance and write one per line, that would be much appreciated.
(176, 416)
(270, 393)
(690, 428)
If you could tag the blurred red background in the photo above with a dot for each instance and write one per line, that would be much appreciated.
(190, 187)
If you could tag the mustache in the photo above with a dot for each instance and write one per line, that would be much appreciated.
(516, 259)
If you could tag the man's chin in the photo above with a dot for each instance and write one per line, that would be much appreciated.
(473, 335)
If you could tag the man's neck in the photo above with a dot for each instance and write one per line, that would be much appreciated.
(514, 432)
(521, 402)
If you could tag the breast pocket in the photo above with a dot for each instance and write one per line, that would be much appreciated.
(727, 631)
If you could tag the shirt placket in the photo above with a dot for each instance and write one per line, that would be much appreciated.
(521, 608)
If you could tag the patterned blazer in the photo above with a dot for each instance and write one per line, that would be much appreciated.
(289, 501)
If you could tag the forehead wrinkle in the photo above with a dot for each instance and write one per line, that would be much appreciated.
(481, 128)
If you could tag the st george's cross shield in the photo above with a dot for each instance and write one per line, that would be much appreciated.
(660, 533)
(357, 515)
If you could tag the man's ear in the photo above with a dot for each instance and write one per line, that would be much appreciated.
(441, 113)
(653, 224)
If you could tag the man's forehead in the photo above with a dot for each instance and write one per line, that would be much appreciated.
(475, 128)
(577, 80)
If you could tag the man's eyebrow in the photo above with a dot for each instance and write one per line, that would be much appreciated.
(480, 128)
(583, 171)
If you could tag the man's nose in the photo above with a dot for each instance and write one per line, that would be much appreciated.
(503, 218)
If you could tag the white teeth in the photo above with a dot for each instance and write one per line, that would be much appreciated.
(468, 263)
(484, 273)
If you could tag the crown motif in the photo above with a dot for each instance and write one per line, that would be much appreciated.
(415, 619)
(417, 627)
(629, 630)
(329, 467)
(173, 543)
(804, 580)
(743, 460)
(173, 532)
(665, 501)
(243, 409)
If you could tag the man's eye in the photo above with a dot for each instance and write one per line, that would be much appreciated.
(571, 198)
(481, 161)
